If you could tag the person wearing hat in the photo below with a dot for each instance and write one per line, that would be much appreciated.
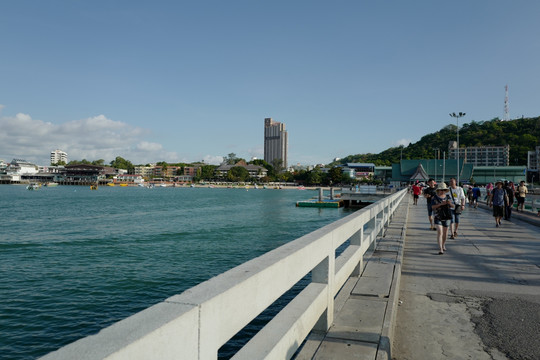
(441, 205)
(497, 200)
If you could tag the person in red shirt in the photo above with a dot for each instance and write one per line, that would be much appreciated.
(417, 190)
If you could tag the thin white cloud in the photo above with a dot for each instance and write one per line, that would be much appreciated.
(93, 138)
(213, 159)
(404, 142)
(257, 152)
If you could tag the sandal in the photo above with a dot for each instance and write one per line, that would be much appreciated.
(455, 234)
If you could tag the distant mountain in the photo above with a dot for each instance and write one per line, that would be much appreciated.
(521, 134)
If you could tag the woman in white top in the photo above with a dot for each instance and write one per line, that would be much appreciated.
(458, 199)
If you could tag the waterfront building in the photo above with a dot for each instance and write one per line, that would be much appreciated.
(57, 156)
(481, 155)
(255, 171)
(21, 167)
(191, 171)
(359, 171)
(144, 171)
(276, 142)
(129, 179)
(407, 171)
(84, 173)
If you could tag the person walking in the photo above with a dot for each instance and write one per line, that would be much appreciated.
(497, 200)
(510, 194)
(458, 199)
(429, 193)
(441, 205)
(416, 190)
(475, 195)
(521, 194)
(489, 188)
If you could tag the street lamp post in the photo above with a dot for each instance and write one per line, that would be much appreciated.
(436, 158)
(457, 116)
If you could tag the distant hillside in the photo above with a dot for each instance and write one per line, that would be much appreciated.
(521, 134)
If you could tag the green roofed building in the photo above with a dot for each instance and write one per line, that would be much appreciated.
(489, 174)
(408, 171)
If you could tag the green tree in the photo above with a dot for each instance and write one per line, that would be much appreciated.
(231, 159)
(205, 172)
(278, 165)
(238, 173)
(335, 175)
(121, 163)
(314, 177)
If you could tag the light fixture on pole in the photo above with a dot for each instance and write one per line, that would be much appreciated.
(457, 116)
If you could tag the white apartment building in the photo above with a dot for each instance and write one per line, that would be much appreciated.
(533, 159)
(481, 155)
(57, 156)
(144, 171)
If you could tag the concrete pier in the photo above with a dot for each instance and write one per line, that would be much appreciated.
(480, 300)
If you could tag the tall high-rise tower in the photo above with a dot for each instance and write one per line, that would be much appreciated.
(276, 142)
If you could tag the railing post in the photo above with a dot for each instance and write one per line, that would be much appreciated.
(357, 240)
(324, 274)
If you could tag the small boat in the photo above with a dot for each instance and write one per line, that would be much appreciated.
(124, 185)
(110, 184)
(301, 187)
(93, 187)
(192, 185)
(255, 186)
(33, 186)
(51, 184)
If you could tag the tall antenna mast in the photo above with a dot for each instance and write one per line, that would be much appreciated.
(506, 110)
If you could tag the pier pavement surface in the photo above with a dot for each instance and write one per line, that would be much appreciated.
(480, 300)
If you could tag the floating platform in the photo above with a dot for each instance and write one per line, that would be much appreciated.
(320, 204)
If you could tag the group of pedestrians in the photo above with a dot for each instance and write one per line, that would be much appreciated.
(445, 204)
(502, 197)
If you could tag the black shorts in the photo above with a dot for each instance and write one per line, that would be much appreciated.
(520, 200)
(415, 196)
(498, 211)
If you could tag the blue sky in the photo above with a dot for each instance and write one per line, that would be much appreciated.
(185, 81)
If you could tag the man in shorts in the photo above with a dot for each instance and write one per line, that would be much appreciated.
(497, 200)
(521, 194)
(429, 193)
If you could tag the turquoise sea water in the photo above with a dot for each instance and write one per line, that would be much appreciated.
(73, 261)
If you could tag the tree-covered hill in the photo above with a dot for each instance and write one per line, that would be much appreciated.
(521, 134)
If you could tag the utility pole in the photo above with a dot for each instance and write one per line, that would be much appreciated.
(457, 116)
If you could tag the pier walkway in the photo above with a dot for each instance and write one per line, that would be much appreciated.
(480, 300)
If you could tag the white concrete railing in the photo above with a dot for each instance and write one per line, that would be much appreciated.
(197, 322)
